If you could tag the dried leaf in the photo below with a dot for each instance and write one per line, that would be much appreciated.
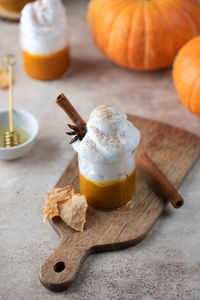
(50, 211)
(55, 197)
(73, 212)
(67, 204)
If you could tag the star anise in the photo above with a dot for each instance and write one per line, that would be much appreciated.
(79, 131)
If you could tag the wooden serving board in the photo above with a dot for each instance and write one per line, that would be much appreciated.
(174, 151)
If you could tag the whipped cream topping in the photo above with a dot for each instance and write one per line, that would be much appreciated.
(105, 153)
(43, 27)
(110, 136)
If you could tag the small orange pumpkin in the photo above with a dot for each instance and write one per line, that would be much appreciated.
(143, 34)
(186, 75)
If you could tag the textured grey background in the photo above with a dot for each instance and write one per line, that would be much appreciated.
(166, 264)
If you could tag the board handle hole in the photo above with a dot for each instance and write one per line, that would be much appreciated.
(59, 267)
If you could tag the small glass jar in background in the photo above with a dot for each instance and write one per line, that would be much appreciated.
(44, 39)
(14, 5)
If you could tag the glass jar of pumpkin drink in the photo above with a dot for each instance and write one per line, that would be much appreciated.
(106, 158)
(44, 39)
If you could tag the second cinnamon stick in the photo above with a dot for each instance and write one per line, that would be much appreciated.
(161, 181)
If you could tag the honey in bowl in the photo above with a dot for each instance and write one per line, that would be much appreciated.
(44, 39)
(106, 158)
(24, 136)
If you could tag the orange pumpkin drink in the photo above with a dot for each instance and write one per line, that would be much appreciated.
(106, 158)
(44, 39)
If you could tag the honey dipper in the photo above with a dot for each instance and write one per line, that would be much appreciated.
(11, 138)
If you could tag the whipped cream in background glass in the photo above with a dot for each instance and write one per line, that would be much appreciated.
(106, 153)
(44, 39)
(43, 27)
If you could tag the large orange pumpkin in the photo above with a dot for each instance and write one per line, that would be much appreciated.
(143, 34)
(186, 75)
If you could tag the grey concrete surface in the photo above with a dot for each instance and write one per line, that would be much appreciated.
(166, 264)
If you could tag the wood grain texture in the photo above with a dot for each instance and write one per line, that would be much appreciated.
(174, 151)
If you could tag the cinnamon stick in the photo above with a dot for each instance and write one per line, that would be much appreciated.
(161, 181)
(72, 113)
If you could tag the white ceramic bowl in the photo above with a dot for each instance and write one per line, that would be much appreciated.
(24, 120)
